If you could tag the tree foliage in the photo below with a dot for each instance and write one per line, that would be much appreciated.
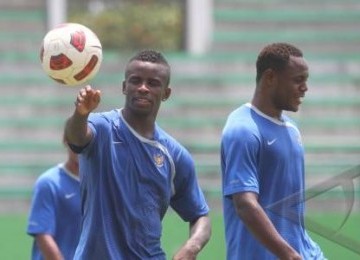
(136, 25)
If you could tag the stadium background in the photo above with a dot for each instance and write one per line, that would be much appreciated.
(205, 89)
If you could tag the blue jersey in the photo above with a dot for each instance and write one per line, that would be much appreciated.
(262, 155)
(55, 210)
(127, 184)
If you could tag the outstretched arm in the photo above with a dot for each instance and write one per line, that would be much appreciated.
(200, 232)
(48, 247)
(256, 220)
(76, 128)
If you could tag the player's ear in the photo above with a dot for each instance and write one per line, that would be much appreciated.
(270, 77)
(124, 90)
(166, 94)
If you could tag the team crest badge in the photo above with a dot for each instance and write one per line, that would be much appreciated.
(159, 160)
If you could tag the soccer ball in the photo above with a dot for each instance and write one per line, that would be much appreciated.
(71, 54)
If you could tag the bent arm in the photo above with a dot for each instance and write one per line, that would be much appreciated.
(48, 247)
(200, 232)
(77, 131)
(258, 223)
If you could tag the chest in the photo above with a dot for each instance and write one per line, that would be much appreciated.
(144, 170)
(69, 198)
(281, 144)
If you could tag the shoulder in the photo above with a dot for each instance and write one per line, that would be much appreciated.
(167, 139)
(50, 174)
(240, 123)
(107, 116)
(49, 178)
(103, 121)
(175, 148)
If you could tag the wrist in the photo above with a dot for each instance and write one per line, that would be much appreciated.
(193, 247)
(289, 254)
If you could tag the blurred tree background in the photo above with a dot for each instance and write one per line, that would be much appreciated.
(132, 24)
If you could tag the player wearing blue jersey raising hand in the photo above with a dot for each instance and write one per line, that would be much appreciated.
(132, 170)
(262, 162)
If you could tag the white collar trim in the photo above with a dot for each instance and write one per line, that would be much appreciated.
(257, 111)
(68, 172)
(132, 130)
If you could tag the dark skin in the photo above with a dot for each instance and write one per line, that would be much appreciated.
(283, 90)
(48, 247)
(145, 87)
(276, 91)
(256, 220)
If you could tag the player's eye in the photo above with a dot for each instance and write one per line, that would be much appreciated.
(134, 80)
(154, 83)
(301, 79)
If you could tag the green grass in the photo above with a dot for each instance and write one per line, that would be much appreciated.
(333, 237)
(16, 245)
(176, 231)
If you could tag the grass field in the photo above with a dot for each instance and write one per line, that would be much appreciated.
(16, 245)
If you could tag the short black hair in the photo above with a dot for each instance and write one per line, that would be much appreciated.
(152, 56)
(275, 56)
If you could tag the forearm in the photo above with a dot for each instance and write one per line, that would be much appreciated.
(262, 228)
(76, 130)
(48, 247)
(259, 224)
(200, 232)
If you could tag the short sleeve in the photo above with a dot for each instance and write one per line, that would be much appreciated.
(42, 212)
(239, 159)
(188, 201)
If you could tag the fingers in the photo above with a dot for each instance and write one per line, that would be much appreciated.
(87, 99)
(89, 94)
(96, 96)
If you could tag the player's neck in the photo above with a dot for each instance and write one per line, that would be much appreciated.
(267, 108)
(143, 125)
(72, 167)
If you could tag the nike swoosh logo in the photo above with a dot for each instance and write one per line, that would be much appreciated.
(271, 142)
(117, 142)
(70, 195)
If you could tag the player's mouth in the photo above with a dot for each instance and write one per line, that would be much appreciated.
(300, 99)
(142, 101)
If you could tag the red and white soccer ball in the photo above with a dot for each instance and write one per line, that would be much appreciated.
(71, 54)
